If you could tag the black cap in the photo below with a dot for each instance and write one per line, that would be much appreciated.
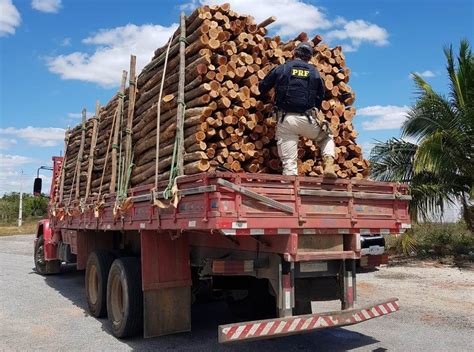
(304, 49)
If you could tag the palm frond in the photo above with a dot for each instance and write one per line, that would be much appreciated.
(423, 87)
(440, 167)
(392, 160)
(430, 114)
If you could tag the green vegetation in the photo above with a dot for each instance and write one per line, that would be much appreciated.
(434, 240)
(34, 209)
(440, 166)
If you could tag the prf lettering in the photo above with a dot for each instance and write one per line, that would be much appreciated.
(299, 73)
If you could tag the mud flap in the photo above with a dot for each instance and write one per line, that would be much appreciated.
(166, 280)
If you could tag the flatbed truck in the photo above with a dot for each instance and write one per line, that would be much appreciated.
(270, 244)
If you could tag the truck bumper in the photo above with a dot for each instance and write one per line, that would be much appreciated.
(271, 328)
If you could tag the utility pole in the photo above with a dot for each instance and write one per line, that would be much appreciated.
(20, 208)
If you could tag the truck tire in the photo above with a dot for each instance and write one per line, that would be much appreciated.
(42, 266)
(125, 297)
(97, 273)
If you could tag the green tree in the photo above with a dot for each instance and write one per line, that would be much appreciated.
(440, 166)
(32, 206)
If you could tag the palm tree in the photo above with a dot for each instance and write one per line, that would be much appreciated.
(440, 166)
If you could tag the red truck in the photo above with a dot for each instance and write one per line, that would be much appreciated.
(269, 244)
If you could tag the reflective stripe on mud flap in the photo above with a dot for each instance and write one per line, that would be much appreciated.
(254, 330)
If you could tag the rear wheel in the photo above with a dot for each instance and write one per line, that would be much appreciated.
(42, 266)
(125, 297)
(97, 272)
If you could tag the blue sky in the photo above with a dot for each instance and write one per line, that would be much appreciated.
(58, 56)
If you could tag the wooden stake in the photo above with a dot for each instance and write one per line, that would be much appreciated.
(132, 93)
(181, 83)
(92, 148)
(115, 146)
(63, 165)
(80, 154)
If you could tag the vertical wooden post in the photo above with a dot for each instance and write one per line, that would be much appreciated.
(95, 129)
(80, 154)
(63, 166)
(132, 93)
(118, 120)
(181, 83)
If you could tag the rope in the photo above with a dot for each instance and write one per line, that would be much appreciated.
(168, 192)
(160, 58)
(158, 115)
(171, 190)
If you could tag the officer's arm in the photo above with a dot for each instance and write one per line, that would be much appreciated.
(268, 82)
(319, 93)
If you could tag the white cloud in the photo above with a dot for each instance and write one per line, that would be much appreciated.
(296, 16)
(293, 16)
(66, 42)
(367, 148)
(19, 173)
(7, 143)
(113, 46)
(358, 32)
(37, 136)
(424, 74)
(48, 6)
(78, 115)
(9, 18)
(189, 5)
(14, 161)
(112, 54)
(384, 117)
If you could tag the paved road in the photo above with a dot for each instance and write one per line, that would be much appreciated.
(49, 314)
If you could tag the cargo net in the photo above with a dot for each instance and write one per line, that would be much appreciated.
(227, 123)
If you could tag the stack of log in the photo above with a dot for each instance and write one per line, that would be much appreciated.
(227, 123)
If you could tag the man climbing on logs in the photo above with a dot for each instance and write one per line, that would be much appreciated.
(299, 92)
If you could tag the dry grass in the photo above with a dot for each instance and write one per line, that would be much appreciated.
(11, 229)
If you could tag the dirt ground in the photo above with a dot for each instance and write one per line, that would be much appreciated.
(49, 313)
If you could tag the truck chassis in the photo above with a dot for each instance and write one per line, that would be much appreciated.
(270, 244)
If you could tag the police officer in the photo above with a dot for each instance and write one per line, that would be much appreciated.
(298, 89)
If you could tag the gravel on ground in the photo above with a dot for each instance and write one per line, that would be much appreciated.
(50, 313)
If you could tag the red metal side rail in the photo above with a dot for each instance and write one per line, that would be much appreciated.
(253, 204)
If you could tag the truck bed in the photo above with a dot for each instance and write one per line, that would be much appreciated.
(239, 204)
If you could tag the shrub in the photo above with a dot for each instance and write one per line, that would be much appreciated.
(443, 239)
(433, 239)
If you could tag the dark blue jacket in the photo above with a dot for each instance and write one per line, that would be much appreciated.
(298, 86)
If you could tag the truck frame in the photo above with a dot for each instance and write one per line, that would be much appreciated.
(270, 244)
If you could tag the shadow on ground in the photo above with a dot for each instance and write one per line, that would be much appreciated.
(205, 319)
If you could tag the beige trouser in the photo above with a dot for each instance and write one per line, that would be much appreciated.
(288, 133)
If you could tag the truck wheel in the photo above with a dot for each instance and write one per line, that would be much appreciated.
(97, 272)
(125, 297)
(42, 266)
